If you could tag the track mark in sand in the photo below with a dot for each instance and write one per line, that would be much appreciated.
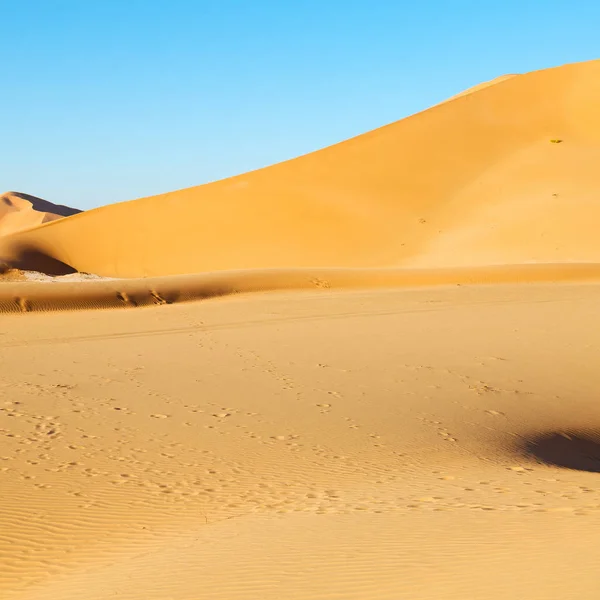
(158, 298)
(483, 388)
(321, 283)
(197, 325)
(478, 386)
(495, 413)
(49, 428)
(441, 431)
(126, 299)
(23, 304)
(267, 366)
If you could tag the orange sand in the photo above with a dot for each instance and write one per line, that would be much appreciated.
(21, 211)
(473, 181)
(411, 412)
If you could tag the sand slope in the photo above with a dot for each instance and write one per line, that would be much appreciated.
(434, 436)
(21, 211)
(71, 292)
(423, 445)
(472, 181)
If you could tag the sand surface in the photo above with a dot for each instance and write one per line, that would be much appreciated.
(367, 373)
(472, 181)
(21, 211)
(368, 444)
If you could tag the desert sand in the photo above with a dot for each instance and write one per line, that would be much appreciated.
(369, 372)
(20, 211)
(472, 181)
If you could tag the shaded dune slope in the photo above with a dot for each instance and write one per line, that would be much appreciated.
(20, 211)
(473, 181)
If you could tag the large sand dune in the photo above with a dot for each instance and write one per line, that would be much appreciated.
(472, 181)
(432, 436)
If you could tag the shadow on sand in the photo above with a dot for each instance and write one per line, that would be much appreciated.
(29, 258)
(578, 450)
(41, 205)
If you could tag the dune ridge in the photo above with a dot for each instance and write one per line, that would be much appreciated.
(20, 211)
(469, 182)
(481, 86)
(21, 297)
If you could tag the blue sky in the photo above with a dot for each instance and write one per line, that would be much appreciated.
(109, 100)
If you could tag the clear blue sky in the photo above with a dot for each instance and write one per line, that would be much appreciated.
(109, 100)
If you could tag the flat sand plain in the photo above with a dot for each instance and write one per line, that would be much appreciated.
(416, 443)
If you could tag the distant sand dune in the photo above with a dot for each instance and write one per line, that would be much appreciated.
(21, 211)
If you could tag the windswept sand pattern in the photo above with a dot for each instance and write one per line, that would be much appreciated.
(23, 297)
(115, 449)
(411, 413)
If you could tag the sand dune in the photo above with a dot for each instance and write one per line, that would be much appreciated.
(21, 211)
(472, 181)
(75, 294)
(411, 412)
(481, 86)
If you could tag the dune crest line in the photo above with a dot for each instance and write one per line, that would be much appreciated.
(22, 297)
(477, 180)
